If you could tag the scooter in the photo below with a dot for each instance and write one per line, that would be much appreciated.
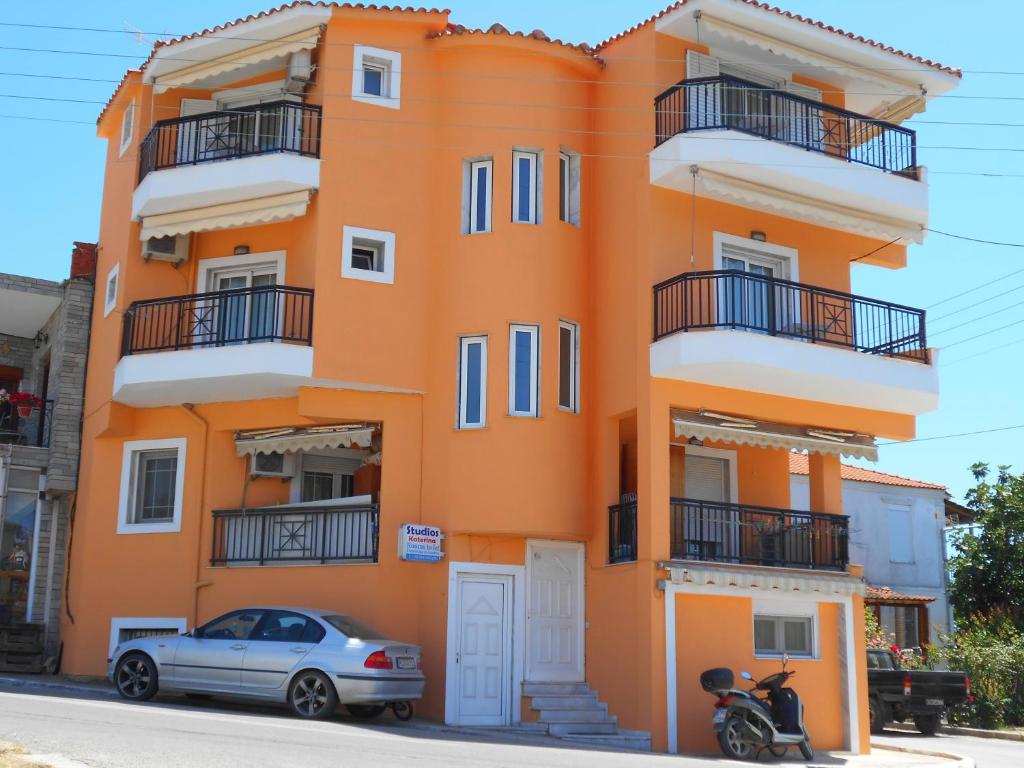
(746, 724)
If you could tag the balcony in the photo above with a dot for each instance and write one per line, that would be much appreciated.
(246, 343)
(776, 151)
(31, 430)
(748, 331)
(273, 148)
(296, 535)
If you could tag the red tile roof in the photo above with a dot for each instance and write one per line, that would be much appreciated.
(795, 17)
(498, 29)
(799, 465)
(887, 595)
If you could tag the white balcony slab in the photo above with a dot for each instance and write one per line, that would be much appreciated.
(788, 181)
(224, 181)
(213, 375)
(790, 368)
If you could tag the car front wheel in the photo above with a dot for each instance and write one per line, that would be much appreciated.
(136, 677)
(312, 695)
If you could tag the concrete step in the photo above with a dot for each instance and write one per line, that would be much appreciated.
(555, 689)
(570, 701)
(590, 715)
(573, 729)
(635, 741)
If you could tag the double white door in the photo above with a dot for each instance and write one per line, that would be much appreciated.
(244, 315)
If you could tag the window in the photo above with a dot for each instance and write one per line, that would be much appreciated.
(569, 187)
(901, 534)
(125, 628)
(525, 187)
(376, 77)
(476, 196)
(472, 382)
(237, 625)
(152, 479)
(523, 370)
(776, 635)
(368, 254)
(110, 294)
(903, 623)
(568, 366)
(288, 627)
(326, 477)
(127, 127)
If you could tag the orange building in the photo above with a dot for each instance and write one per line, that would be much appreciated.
(572, 306)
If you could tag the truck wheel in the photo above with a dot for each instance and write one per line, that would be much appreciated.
(927, 724)
(877, 712)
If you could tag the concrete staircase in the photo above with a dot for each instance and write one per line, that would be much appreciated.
(571, 711)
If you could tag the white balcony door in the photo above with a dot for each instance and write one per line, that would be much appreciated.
(483, 654)
(247, 316)
(710, 530)
(752, 304)
(554, 611)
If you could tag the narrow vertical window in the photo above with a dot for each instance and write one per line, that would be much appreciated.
(479, 198)
(523, 370)
(569, 187)
(127, 126)
(524, 187)
(472, 382)
(568, 366)
(110, 294)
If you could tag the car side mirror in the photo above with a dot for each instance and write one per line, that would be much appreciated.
(746, 676)
(197, 633)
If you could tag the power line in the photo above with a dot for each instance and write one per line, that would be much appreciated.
(977, 304)
(975, 320)
(975, 288)
(982, 352)
(974, 239)
(947, 437)
(980, 335)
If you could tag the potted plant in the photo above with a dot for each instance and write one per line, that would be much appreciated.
(25, 402)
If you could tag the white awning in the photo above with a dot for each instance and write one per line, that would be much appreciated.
(705, 425)
(208, 71)
(292, 439)
(262, 210)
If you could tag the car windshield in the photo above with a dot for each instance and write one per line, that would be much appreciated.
(353, 628)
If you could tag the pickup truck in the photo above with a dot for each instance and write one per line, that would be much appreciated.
(897, 694)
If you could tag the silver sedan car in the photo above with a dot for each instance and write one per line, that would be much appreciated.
(311, 660)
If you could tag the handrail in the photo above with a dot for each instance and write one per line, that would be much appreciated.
(622, 532)
(278, 126)
(218, 318)
(733, 299)
(727, 102)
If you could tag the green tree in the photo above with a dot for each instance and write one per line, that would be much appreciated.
(987, 567)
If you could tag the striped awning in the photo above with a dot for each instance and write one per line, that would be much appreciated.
(292, 439)
(246, 213)
(705, 425)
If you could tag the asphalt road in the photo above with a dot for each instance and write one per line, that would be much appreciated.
(75, 729)
(987, 753)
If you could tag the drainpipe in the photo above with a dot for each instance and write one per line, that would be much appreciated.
(190, 409)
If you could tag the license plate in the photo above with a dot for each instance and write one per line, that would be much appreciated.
(719, 717)
(406, 662)
(934, 702)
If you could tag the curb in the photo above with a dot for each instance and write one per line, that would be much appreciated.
(58, 685)
(960, 730)
(961, 760)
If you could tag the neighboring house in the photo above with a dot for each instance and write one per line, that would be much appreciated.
(898, 533)
(44, 342)
(394, 270)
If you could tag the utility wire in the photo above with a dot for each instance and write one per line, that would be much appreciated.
(975, 288)
(982, 352)
(980, 335)
(975, 320)
(947, 437)
(976, 304)
(974, 239)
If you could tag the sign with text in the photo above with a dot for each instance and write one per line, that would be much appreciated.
(419, 542)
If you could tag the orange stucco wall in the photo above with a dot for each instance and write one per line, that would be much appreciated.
(389, 353)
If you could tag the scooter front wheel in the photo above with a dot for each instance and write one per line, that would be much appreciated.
(806, 749)
(734, 740)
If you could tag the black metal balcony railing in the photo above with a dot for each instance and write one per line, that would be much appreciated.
(295, 534)
(32, 430)
(279, 126)
(744, 534)
(219, 318)
(731, 103)
(745, 301)
(622, 532)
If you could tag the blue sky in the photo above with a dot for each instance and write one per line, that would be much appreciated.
(53, 172)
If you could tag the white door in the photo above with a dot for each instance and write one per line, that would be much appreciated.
(710, 525)
(554, 611)
(483, 656)
(245, 317)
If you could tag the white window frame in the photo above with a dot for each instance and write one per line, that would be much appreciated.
(130, 450)
(464, 342)
(569, 186)
(534, 383)
(119, 623)
(381, 239)
(727, 455)
(391, 63)
(127, 127)
(535, 158)
(787, 609)
(574, 389)
(787, 258)
(471, 191)
(109, 302)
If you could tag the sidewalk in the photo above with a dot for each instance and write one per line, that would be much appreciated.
(962, 730)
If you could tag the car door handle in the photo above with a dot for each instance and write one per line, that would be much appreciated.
(238, 647)
(298, 649)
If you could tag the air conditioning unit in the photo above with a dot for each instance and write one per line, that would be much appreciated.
(172, 248)
(270, 465)
(300, 70)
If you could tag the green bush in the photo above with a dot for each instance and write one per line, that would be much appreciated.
(990, 649)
